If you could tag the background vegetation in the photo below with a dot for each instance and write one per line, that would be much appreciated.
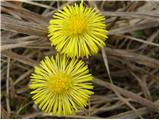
(125, 71)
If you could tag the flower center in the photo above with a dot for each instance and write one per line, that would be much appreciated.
(77, 25)
(59, 83)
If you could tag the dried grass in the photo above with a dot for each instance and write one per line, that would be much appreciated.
(129, 87)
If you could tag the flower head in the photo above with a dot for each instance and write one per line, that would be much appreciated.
(77, 31)
(61, 86)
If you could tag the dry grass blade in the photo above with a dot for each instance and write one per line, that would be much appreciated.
(135, 69)
(8, 43)
(22, 26)
(143, 85)
(4, 114)
(152, 16)
(129, 114)
(128, 94)
(45, 115)
(139, 40)
(116, 92)
(134, 57)
(107, 108)
(21, 108)
(150, 39)
(23, 13)
(8, 40)
(131, 28)
(22, 76)
(20, 58)
(7, 87)
(10, 46)
(32, 115)
(38, 4)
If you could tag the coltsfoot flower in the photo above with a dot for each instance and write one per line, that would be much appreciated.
(61, 85)
(77, 31)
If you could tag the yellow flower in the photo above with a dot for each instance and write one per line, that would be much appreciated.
(77, 31)
(61, 85)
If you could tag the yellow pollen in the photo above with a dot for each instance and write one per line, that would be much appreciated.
(59, 83)
(77, 25)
